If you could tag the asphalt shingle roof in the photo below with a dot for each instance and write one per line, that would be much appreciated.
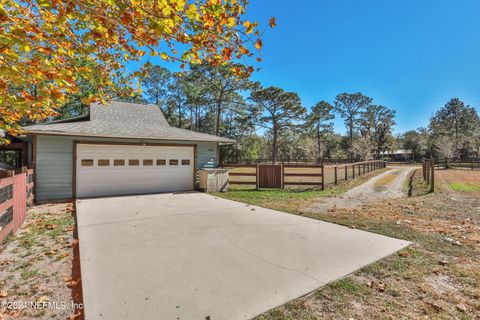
(124, 120)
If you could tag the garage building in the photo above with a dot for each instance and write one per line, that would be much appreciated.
(118, 149)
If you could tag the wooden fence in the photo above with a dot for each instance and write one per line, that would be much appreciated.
(428, 171)
(288, 161)
(282, 175)
(16, 194)
(472, 164)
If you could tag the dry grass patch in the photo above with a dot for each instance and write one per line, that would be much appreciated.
(36, 266)
(435, 278)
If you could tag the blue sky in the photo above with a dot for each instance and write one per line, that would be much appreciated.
(409, 55)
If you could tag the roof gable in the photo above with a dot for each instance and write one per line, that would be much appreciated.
(128, 113)
(123, 120)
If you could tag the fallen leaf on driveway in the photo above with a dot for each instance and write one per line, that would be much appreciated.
(462, 307)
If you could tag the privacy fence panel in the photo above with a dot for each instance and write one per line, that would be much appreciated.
(16, 194)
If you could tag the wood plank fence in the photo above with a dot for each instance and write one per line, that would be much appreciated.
(472, 164)
(282, 175)
(16, 194)
(428, 171)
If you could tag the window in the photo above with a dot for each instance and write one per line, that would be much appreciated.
(185, 162)
(173, 162)
(87, 163)
(103, 163)
(118, 162)
(161, 162)
(147, 162)
(133, 162)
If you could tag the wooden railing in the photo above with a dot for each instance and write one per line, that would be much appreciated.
(428, 171)
(473, 164)
(289, 161)
(281, 175)
(16, 194)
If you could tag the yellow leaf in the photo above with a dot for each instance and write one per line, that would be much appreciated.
(248, 26)
(231, 22)
(164, 56)
(258, 44)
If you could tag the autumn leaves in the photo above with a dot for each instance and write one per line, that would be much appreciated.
(49, 47)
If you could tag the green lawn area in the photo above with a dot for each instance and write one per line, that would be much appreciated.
(465, 187)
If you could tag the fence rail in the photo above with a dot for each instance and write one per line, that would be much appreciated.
(289, 161)
(16, 194)
(473, 164)
(281, 175)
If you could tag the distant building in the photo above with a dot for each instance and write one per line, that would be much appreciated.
(398, 155)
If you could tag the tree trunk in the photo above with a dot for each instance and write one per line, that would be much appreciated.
(219, 114)
(319, 144)
(350, 135)
(191, 117)
(197, 118)
(179, 115)
(274, 145)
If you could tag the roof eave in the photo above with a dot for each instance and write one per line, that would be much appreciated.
(77, 134)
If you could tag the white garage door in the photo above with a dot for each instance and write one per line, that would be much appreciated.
(104, 170)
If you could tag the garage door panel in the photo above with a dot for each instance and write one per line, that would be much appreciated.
(96, 180)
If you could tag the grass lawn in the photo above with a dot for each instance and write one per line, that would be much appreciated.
(465, 187)
(435, 278)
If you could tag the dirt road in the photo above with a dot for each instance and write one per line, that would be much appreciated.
(385, 186)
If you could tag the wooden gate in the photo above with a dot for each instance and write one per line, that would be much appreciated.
(269, 176)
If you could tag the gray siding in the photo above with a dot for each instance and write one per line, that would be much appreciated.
(54, 162)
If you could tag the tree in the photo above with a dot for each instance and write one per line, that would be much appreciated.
(156, 81)
(350, 106)
(416, 141)
(45, 44)
(376, 122)
(319, 120)
(277, 110)
(446, 147)
(222, 87)
(457, 120)
(176, 102)
(361, 148)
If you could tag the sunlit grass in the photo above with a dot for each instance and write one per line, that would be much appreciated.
(465, 187)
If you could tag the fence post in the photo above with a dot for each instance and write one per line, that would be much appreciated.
(283, 176)
(336, 169)
(257, 177)
(346, 173)
(432, 182)
(323, 176)
(428, 165)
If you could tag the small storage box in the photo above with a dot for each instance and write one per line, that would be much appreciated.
(213, 180)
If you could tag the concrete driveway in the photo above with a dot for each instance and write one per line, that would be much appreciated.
(194, 256)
